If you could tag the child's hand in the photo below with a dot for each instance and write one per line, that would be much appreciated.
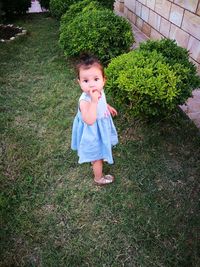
(112, 110)
(95, 95)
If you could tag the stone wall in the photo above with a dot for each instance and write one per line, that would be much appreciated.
(174, 19)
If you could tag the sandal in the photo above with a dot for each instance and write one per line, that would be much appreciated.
(107, 179)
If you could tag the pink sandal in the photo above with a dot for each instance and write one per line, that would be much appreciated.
(106, 179)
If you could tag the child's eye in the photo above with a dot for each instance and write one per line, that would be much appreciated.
(96, 79)
(85, 81)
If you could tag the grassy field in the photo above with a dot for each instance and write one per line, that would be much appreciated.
(51, 212)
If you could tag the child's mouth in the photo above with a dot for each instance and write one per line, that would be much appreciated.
(95, 90)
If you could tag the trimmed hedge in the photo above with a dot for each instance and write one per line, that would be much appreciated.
(143, 84)
(59, 7)
(99, 32)
(76, 9)
(107, 3)
(174, 54)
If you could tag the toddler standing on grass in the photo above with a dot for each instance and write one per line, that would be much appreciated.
(93, 132)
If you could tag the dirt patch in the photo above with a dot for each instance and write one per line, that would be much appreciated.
(10, 32)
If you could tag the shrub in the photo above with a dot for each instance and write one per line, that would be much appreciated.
(143, 84)
(44, 3)
(12, 7)
(59, 7)
(107, 3)
(75, 9)
(100, 32)
(174, 54)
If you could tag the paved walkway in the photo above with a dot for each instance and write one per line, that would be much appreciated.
(35, 7)
(192, 107)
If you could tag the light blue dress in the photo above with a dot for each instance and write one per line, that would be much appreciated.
(94, 142)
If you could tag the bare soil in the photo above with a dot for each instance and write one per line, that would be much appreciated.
(8, 31)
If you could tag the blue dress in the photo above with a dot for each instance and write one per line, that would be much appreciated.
(94, 142)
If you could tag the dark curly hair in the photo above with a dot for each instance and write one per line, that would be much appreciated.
(88, 60)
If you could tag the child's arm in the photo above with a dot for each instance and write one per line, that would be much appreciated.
(112, 111)
(89, 109)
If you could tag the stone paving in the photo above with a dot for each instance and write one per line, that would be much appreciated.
(35, 7)
(192, 107)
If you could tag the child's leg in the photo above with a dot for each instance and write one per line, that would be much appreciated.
(98, 174)
(97, 169)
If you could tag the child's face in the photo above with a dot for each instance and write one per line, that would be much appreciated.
(91, 79)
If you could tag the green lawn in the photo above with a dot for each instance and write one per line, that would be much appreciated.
(52, 213)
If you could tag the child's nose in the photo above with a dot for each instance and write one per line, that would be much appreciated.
(91, 84)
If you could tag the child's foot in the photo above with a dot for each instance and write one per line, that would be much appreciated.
(106, 179)
(109, 177)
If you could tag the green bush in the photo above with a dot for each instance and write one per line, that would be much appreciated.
(100, 32)
(44, 3)
(11, 7)
(59, 7)
(174, 54)
(75, 9)
(107, 3)
(143, 84)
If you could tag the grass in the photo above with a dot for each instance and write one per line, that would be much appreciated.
(52, 214)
